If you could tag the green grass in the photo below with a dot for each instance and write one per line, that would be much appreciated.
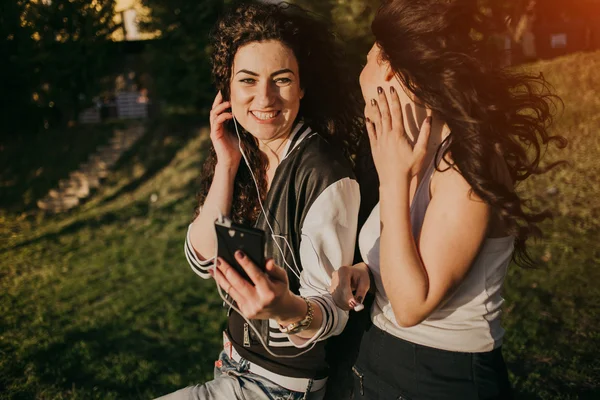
(31, 164)
(553, 313)
(99, 303)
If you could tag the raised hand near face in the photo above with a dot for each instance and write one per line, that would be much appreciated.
(226, 143)
(392, 152)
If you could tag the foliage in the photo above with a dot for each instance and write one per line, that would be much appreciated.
(179, 60)
(19, 82)
(350, 19)
(58, 53)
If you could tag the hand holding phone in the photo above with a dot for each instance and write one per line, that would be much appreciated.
(232, 237)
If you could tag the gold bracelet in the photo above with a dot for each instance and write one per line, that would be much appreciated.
(301, 325)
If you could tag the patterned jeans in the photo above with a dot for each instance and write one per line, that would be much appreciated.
(233, 381)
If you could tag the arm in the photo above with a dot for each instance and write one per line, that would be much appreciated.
(202, 232)
(200, 241)
(417, 277)
(419, 274)
(328, 240)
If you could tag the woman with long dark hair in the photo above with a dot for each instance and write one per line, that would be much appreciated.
(451, 134)
(282, 141)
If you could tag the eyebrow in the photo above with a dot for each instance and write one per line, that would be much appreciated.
(281, 71)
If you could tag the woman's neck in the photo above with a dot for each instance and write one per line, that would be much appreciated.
(273, 149)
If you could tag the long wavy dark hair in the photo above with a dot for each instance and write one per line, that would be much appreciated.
(331, 104)
(439, 53)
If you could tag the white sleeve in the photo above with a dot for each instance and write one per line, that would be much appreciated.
(200, 267)
(327, 243)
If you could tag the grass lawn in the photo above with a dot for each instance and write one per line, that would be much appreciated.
(99, 303)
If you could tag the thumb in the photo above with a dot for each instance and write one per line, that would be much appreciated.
(275, 272)
(342, 292)
(420, 148)
(423, 139)
(363, 283)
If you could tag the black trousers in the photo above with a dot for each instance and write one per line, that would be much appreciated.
(391, 368)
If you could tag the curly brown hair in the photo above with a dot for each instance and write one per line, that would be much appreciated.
(432, 47)
(331, 105)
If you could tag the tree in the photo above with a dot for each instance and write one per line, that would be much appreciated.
(351, 20)
(57, 54)
(179, 60)
(17, 47)
(74, 51)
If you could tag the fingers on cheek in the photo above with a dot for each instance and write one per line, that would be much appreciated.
(370, 112)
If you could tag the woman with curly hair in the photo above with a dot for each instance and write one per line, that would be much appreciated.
(280, 76)
(451, 134)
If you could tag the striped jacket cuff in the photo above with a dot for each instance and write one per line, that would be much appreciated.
(200, 267)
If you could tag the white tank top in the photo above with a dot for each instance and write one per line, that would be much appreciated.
(469, 321)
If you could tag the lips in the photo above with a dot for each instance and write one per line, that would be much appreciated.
(265, 115)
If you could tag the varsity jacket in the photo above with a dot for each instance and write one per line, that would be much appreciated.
(312, 206)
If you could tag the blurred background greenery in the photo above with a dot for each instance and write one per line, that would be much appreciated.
(98, 302)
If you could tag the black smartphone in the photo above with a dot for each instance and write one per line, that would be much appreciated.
(232, 237)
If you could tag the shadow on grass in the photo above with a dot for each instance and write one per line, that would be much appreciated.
(114, 359)
(137, 209)
(32, 163)
(155, 150)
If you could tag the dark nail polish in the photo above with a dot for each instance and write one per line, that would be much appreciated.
(392, 90)
(368, 120)
(240, 254)
(373, 102)
(218, 263)
(359, 299)
(429, 119)
(379, 90)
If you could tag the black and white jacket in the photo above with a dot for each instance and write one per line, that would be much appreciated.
(313, 205)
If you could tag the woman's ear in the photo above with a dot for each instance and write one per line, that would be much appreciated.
(388, 74)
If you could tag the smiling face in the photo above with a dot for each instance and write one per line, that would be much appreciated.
(265, 89)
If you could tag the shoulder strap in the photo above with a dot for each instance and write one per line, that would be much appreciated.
(422, 196)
